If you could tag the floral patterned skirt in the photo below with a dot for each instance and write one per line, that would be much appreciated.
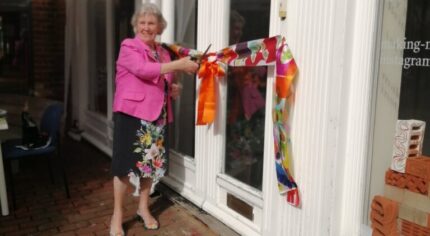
(139, 148)
(150, 146)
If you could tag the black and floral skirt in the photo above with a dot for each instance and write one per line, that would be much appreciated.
(139, 147)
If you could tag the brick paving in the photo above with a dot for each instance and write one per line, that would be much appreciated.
(44, 209)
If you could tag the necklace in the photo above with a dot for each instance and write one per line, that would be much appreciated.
(155, 53)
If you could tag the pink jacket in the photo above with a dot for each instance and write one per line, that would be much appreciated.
(139, 85)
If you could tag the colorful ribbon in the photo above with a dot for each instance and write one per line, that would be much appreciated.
(208, 73)
(261, 52)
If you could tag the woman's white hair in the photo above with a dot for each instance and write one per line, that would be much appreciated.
(152, 9)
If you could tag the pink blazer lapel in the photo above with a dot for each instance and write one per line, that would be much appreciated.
(145, 48)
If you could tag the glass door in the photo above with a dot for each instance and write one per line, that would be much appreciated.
(236, 165)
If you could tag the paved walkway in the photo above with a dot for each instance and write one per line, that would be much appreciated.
(43, 208)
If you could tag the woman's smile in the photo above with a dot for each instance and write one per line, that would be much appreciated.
(148, 28)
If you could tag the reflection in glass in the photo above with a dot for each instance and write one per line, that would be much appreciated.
(415, 85)
(246, 92)
(97, 92)
(403, 89)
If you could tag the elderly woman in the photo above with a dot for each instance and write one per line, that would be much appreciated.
(142, 109)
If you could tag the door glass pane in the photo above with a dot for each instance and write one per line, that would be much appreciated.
(124, 10)
(181, 131)
(403, 93)
(246, 95)
(97, 87)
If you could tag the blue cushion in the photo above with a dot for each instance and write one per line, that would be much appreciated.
(10, 151)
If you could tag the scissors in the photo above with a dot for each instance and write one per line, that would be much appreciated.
(198, 59)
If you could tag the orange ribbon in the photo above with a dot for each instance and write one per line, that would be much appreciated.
(208, 72)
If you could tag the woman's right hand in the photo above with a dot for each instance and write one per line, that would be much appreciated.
(184, 64)
(188, 65)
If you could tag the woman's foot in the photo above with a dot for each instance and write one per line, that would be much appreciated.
(149, 222)
(112, 233)
(116, 226)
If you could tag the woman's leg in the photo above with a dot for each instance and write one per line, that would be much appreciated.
(143, 210)
(119, 189)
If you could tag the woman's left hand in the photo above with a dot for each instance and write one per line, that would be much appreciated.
(176, 90)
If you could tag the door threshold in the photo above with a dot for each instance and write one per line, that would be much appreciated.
(199, 214)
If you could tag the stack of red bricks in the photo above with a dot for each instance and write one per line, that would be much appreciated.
(405, 207)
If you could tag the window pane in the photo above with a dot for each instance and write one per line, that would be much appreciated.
(246, 95)
(415, 85)
(403, 93)
(181, 131)
(97, 57)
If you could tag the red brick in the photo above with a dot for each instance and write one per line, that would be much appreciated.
(407, 181)
(91, 228)
(418, 166)
(49, 225)
(48, 20)
(48, 232)
(34, 223)
(69, 227)
(69, 233)
(99, 220)
(27, 231)
(8, 228)
(411, 229)
(383, 216)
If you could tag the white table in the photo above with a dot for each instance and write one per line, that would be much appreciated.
(3, 193)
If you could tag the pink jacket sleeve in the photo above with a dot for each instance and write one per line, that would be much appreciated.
(138, 63)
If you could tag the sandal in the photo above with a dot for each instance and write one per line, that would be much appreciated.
(111, 233)
(154, 226)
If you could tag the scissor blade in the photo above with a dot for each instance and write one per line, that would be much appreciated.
(206, 51)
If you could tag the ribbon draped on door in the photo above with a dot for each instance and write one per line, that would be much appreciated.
(260, 52)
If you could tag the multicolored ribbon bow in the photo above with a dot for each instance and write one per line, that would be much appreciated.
(261, 52)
